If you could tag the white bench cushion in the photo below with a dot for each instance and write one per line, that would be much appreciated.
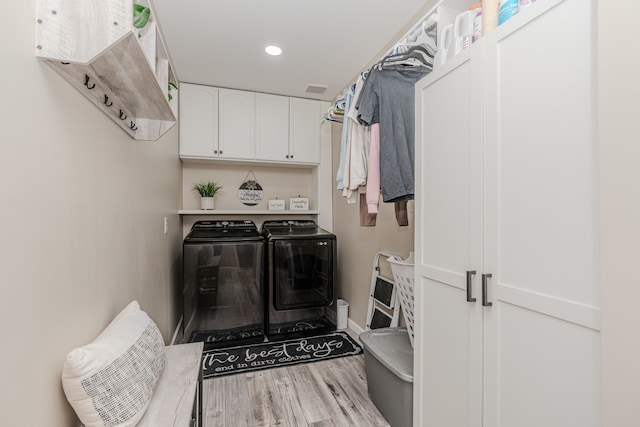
(110, 381)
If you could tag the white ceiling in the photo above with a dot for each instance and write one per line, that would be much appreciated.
(221, 43)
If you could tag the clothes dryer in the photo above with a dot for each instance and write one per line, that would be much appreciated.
(300, 277)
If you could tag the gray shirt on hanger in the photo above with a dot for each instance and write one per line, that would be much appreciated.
(388, 98)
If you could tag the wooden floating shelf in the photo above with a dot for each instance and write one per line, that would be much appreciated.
(245, 212)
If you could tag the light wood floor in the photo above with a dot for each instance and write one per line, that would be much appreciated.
(327, 393)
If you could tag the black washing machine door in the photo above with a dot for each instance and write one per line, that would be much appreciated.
(302, 273)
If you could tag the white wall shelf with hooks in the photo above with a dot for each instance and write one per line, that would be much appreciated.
(124, 70)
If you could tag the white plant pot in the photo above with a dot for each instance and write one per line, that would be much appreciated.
(206, 203)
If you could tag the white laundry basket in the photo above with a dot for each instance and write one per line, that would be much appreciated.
(403, 275)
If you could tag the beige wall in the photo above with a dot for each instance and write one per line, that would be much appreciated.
(277, 182)
(619, 91)
(82, 226)
(357, 246)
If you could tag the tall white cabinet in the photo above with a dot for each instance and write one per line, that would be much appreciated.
(449, 243)
(507, 274)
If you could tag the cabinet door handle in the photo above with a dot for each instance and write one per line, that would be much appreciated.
(220, 151)
(215, 151)
(485, 301)
(470, 275)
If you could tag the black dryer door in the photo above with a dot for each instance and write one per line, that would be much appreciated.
(302, 273)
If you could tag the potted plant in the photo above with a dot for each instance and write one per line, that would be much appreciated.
(207, 191)
(171, 85)
(141, 14)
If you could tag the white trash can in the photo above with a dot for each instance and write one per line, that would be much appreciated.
(342, 314)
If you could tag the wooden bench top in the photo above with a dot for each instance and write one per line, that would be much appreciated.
(172, 401)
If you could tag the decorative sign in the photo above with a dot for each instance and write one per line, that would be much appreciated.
(299, 204)
(250, 192)
(276, 205)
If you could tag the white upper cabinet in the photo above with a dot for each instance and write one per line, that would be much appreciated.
(216, 123)
(198, 121)
(226, 124)
(236, 124)
(304, 130)
(272, 127)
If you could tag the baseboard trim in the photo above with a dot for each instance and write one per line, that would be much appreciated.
(355, 327)
(175, 333)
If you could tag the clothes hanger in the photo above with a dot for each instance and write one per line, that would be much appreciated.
(420, 48)
(417, 49)
(417, 55)
(405, 63)
(425, 36)
(428, 32)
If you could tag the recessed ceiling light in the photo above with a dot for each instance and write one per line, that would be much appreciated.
(273, 50)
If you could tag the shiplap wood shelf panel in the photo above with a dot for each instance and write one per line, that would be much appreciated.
(123, 70)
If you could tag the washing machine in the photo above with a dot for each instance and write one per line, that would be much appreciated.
(223, 283)
(300, 276)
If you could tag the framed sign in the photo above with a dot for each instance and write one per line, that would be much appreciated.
(299, 204)
(276, 205)
(250, 192)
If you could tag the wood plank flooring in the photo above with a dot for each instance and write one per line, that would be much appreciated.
(327, 393)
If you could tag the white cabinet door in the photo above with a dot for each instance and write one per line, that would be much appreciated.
(272, 127)
(542, 346)
(198, 121)
(237, 124)
(304, 133)
(448, 372)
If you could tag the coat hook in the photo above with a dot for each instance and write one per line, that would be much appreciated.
(86, 82)
(133, 126)
(123, 116)
(106, 101)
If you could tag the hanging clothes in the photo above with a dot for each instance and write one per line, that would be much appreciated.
(378, 135)
(346, 175)
(335, 113)
(388, 99)
(343, 142)
(402, 216)
(366, 219)
(373, 175)
(358, 146)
